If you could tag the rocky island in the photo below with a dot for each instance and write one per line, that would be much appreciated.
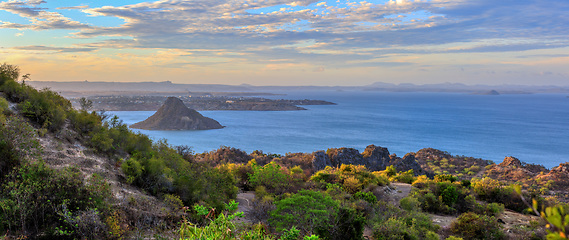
(174, 115)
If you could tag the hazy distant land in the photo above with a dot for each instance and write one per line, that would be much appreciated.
(75, 89)
(199, 101)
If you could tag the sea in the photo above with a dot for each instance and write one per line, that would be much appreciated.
(531, 127)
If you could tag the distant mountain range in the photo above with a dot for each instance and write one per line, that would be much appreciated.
(168, 86)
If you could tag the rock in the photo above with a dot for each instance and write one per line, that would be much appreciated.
(174, 115)
(563, 168)
(320, 160)
(408, 162)
(511, 162)
(339, 156)
(376, 158)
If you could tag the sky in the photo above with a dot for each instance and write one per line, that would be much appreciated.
(289, 42)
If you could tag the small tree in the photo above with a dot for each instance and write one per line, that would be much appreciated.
(307, 210)
(85, 104)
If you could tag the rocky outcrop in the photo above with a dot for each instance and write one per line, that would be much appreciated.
(174, 115)
(377, 158)
(374, 158)
(408, 162)
(339, 156)
(510, 162)
(320, 160)
(514, 170)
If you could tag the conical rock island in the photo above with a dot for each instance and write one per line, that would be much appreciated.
(174, 115)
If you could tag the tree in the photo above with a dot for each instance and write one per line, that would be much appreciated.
(307, 210)
(8, 71)
(85, 104)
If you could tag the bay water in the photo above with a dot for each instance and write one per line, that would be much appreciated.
(531, 127)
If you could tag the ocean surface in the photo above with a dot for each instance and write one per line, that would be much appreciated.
(531, 127)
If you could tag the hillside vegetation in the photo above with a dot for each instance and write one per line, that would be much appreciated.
(76, 174)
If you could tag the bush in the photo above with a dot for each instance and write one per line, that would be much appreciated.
(474, 226)
(366, 196)
(445, 178)
(307, 210)
(352, 178)
(275, 179)
(18, 143)
(391, 222)
(491, 190)
(36, 198)
(410, 204)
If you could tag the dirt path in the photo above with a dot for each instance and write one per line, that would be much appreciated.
(245, 199)
(400, 190)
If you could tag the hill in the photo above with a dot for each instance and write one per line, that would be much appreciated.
(174, 115)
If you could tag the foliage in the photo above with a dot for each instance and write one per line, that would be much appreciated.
(46, 108)
(353, 178)
(220, 227)
(366, 196)
(9, 72)
(445, 178)
(410, 203)
(404, 177)
(557, 217)
(34, 196)
(17, 143)
(307, 210)
(491, 190)
(4, 106)
(275, 179)
(163, 171)
(391, 222)
(473, 226)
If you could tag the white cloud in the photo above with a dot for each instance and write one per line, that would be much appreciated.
(39, 18)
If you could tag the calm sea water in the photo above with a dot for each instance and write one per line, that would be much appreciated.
(533, 128)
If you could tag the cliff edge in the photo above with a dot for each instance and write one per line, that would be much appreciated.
(174, 115)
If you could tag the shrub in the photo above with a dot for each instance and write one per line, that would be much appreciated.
(474, 226)
(366, 196)
(391, 222)
(410, 203)
(273, 177)
(352, 178)
(34, 197)
(307, 210)
(491, 190)
(445, 178)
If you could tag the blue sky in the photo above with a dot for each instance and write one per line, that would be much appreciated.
(287, 42)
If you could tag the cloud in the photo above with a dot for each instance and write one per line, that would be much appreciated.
(54, 49)
(313, 32)
(73, 8)
(39, 18)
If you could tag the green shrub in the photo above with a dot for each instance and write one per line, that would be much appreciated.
(17, 143)
(273, 177)
(36, 198)
(404, 177)
(474, 226)
(366, 196)
(307, 210)
(410, 203)
(4, 106)
(390, 222)
(352, 178)
(445, 178)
